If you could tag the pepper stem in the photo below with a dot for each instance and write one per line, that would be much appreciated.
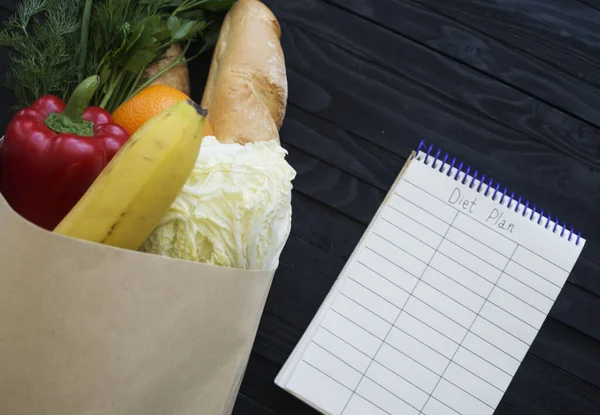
(71, 119)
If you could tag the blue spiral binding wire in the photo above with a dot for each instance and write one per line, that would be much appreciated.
(511, 197)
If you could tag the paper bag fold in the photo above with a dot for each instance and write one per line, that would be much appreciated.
(87, 329)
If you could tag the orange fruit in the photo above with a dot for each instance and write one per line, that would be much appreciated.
(147, 103)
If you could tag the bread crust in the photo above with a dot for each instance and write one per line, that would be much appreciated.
(176, 77)
(246, 92)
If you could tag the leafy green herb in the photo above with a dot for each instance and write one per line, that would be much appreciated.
(43, 36)
(55, 43)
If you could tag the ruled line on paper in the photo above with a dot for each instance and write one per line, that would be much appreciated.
(421, 342)
(466, 391)
(528, 286)
(545, 259)
(476, 256)
(470, 261)
(391, 371)
(521, 301)
(463, 266)
(392, 327)
(470, 327)
(361, 406)
(413, 220)
(492, 346)
(371, 312)
(434, 408)
(431, 327)
(474, 374)
(402, 249)
(408, 334)
(539, 275)
(466, 328)
(442, 333)
(454, 300)
(333, 334)
(420, 207)
(335, 356)
(377, 294)
(381, 275)
(533, 272)
(389, 391)
(356, 324)
(370, 299)
(386, 400)
(400, 386)
(366, 376)
(406, 233)
(389, 260)
(453, 207)
(479, 240)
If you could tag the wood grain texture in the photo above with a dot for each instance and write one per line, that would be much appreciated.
(342, 149)
(456, 81)
(520, 70)
(595, 4)
(248, 406)
(258, 383)
(586, 273)
(533, 170)
(563, 33)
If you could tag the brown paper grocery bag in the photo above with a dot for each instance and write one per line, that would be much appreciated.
(87, 329)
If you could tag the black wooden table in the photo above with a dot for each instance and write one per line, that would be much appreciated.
(511, 86)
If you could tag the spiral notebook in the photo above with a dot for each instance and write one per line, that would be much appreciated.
(440, 301)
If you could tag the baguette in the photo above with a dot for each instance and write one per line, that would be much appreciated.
(246, 91)
(176, 77)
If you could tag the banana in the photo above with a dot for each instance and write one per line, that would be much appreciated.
(128, 199)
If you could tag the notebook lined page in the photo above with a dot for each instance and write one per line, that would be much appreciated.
(438, 305)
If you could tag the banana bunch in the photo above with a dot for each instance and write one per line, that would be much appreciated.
(130, 196)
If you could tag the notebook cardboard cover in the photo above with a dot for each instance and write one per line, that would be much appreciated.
(88, 329)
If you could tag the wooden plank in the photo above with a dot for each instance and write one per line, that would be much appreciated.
(320, 225)
(520, 404)
(563, 33)
(344, 150)
(8, 6)
(595, 4)
(578, 309)
(458, 82)
(522, 164)
(309, 132)
(245, 405)
(505, 155)
(259, 384)
(494, 58)
(377, 94)
(554, 390)
(340, 190)
(568, 349)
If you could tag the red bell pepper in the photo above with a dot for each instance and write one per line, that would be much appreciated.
(53, 152)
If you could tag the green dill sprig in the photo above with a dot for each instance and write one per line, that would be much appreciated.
(43, 37)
